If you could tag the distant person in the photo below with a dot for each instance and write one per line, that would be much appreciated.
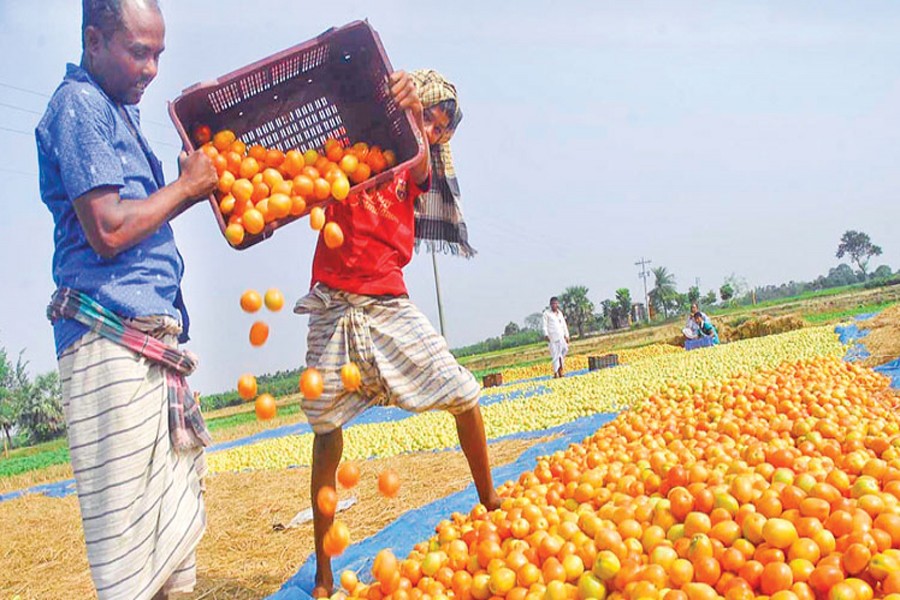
(135, 435)
(556, 333)
(705, 327)
(691, 330)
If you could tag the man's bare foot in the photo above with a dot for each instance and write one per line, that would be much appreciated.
(492, 502)
(321, 591)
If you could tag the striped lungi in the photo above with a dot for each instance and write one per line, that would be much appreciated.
(141, 501)
(402, 359)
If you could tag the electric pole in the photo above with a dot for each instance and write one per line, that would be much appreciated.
(437, 289)
(643, 275)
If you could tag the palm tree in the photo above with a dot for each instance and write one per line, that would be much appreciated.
(577, 307)
(663, 293)
(622, 308)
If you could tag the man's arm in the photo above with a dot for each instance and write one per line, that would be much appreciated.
(113, 225)
(404, 92)
(546, 323)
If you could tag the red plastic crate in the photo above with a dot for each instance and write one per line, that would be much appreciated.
(335, 85)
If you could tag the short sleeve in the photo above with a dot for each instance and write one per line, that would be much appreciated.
(80, 135)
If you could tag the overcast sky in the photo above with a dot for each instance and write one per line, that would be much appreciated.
(711, 138)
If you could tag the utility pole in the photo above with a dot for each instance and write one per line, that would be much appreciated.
(643, 275)
(437, 289)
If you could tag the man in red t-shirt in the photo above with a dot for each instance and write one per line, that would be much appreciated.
(360, 312)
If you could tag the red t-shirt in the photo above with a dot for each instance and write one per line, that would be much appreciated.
(379, 234)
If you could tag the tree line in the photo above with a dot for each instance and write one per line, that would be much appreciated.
(583, 315)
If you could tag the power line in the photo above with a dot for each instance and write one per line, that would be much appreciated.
(14, 107)
(17, 172)
(21, 89)
(44, 95)
(29, 134)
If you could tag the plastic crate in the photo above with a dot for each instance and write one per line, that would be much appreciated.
(603, 362)
(492, 380)
(703, 342)
(333, 86)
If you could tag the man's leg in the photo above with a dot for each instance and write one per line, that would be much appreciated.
(470, 429)
(327, 451)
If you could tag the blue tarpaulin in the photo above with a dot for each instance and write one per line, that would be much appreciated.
(417, 525)
(376, 414)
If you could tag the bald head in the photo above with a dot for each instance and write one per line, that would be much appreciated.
(123, 40)
(107, 15)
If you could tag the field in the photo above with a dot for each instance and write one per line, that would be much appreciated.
(763, 467)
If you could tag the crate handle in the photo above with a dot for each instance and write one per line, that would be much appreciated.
(200, 84)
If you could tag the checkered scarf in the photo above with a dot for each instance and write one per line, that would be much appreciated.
(439, 217)
(187, 428)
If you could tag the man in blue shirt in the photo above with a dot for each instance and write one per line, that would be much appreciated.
(141, 499)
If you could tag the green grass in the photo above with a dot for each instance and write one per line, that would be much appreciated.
(837, 291)
(824, 317)
(464, 360)
(248, 417)
(56, 453)
(525, 363)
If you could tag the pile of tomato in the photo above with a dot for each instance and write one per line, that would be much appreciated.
(781, 484)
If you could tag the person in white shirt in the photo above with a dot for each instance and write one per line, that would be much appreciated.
(556, 333)
(691, 330)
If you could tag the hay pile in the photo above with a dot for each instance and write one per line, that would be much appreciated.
(883, 341)
(746, 328)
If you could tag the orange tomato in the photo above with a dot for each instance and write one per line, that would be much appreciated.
(274, 299)
(246, 386)
(326, 500)
(234, 233)
(260, 192)
(259, 333)
(389, 483)
(242, 190)
(251, 301)
(274, 158)
(340, 188)
(311, 383)
(336, 539)
(283, 187)
(265, 407)
(272, 177)
(223, 139)
(348, 475)
(298, 206)
(254, 222)
(317, 218)
(303, 185)
(362, 172)
(333, 235)
(279, 206)
(321, 189)
(351, 377)
(238, 147)
(257, 152)
(293, 163)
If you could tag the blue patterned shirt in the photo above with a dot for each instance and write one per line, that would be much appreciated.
(84, 143)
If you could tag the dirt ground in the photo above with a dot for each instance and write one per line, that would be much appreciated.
(242, 556)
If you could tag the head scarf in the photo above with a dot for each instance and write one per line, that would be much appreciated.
(439, 218)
